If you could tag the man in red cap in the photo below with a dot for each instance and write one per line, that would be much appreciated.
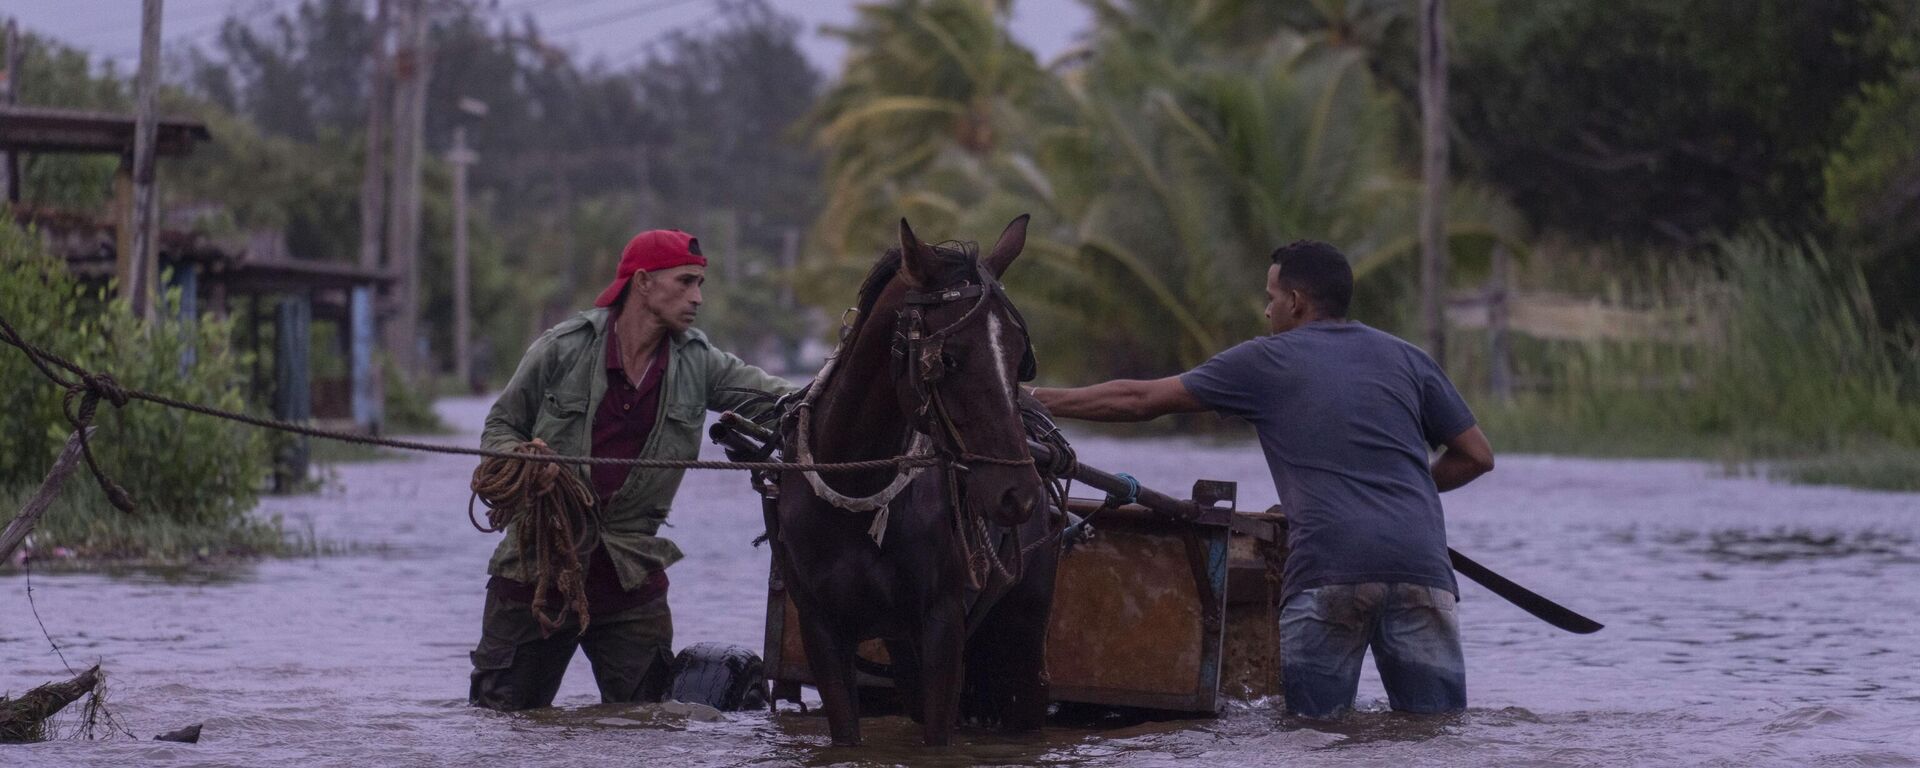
(629, 378)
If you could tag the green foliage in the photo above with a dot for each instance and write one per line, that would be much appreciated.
(1162, 169)
(1647, 121)
(1873, 175)
(931, 88)
(1796, 367)
(195, 478)
(409, 409)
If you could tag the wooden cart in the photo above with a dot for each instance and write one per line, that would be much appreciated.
(1173, 608)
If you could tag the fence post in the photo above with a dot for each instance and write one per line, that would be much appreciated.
(1499, 366)
(360, 332)
(293, 397)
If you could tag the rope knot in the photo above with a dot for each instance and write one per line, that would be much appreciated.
(102, 385)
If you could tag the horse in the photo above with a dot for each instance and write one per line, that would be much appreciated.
(953, 567)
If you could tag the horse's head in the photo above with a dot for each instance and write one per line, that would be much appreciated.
(960, 352)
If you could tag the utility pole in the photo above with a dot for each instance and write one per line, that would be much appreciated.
(461, 157)
(141, 271)
(11, 166)
(403, 224)
(1433, 170)
(789, 261)
(369, 387)
(373, 178)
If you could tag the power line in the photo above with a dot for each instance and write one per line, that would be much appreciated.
(219, 8)
(651, 45)
(203, 31)
(621, 15)
(529, 4)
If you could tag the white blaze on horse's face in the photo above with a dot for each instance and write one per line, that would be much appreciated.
(999, 353)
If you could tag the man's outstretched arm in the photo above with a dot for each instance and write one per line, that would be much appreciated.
(1468, 456)
(1120, 400)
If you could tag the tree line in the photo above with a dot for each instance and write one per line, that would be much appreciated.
(1163, 155)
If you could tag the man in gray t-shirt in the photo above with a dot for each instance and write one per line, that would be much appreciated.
(1347, 416)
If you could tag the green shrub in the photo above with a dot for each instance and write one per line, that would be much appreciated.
(195, 478)
(1795, 366)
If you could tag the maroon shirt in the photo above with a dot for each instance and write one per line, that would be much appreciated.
(620, 429)
(626, 415)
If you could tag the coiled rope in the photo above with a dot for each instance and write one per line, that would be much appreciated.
(542, 502)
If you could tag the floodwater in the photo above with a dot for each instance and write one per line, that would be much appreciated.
(1749, 623)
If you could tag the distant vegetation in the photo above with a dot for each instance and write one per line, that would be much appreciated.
(1750, 165)
(1738, 163)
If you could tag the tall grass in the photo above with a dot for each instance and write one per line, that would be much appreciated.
(1794, 369)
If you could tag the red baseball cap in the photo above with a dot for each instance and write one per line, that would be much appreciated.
(652, 251)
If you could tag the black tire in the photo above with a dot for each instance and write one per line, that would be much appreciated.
(728, 678)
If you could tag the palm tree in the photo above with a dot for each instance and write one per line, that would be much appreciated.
(1162, 165)
(926, 81)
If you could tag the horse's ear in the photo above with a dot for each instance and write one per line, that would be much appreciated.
(1012, 240)
(915, 258)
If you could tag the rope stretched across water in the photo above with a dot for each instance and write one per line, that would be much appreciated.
(90, 387)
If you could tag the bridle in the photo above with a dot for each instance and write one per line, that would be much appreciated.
(920, 360)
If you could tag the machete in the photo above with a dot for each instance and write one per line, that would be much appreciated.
(1541, 608)
(1527, 600)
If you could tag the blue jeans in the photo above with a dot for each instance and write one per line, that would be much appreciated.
(1415, 634)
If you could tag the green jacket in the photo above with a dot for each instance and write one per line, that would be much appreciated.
(553, 396)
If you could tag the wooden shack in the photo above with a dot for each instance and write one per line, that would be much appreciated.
(253, 278)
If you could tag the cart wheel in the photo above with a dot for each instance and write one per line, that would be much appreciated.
(726, 677)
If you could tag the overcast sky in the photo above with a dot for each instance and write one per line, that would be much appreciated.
(616, 31)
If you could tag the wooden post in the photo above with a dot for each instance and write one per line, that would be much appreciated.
(11, 164)
(186, 277)
(144, 271)
(124, 262)
(1433, 169)
(461, 157)
(367, 410)
(29, 516)
(1499, 366)
(403, 222)
(292, 392)
(373, 173)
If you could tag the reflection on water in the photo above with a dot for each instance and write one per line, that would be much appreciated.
(1748, 623)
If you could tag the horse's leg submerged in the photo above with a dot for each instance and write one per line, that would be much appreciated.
(830, 658)
(1006, 657)
(905, 656)
(1024, 615)
(943, 633)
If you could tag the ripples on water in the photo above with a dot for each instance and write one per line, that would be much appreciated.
(1748, 624)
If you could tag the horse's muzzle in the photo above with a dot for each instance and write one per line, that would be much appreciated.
(1004, 495)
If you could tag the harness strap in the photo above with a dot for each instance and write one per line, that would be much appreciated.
(877, 502)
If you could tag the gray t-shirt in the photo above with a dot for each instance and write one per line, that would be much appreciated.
(1347, 416)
